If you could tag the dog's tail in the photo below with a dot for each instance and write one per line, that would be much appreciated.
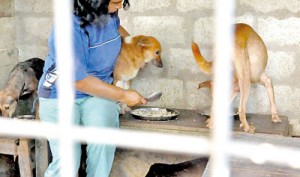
(207, 84)
(204, 65)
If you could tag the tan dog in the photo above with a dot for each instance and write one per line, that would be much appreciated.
(249, 63)
(136, 51)
(22, 81)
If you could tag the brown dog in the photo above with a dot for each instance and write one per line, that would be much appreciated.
(22, 81)
(249, 63)
(136, 51)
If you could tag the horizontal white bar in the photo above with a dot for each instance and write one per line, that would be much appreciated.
(64, 61)
(266, 152)
(120, 137)
(152, 141)
(222, 78)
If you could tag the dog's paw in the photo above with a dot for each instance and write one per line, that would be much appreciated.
(127, 109)
(276, 118)
(124, 108)
(122, 111)
(251, 129)
(247, 128)
(209, 123)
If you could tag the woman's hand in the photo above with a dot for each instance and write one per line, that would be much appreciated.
(95, 87)
(133, 98)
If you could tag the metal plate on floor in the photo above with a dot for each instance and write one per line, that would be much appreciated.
(154, 113)
(206, 111)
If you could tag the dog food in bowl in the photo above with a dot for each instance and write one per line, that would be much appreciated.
(155, 114)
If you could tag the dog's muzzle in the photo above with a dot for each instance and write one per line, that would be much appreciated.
(157, 63)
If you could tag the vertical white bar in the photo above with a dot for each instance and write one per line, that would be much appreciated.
(63, 36)
(222, 88)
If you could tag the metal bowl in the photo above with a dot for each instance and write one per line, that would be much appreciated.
(26, 117)
(159, 114)
(206, 111)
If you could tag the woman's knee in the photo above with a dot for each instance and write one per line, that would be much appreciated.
(99, 112)
(99, 159)
(55, 165)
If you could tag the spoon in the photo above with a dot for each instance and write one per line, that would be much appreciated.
(154, 96)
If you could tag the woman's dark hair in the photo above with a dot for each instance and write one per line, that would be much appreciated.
(90, 10)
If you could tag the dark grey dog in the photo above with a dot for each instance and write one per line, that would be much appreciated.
(190, 168)
(22, 82)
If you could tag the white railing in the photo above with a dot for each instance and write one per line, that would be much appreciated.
(63, 37)
(222, 88)
(67, 134)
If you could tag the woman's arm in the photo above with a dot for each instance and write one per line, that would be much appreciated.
(95, 87)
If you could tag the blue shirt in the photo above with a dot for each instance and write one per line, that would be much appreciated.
(96, 49)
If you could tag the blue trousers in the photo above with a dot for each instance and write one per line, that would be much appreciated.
(89, 112)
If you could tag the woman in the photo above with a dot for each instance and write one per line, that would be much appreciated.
(97, 44)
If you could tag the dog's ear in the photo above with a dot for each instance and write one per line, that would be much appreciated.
(143, 42)
(9, 95)
(12, 108)
(9, 100)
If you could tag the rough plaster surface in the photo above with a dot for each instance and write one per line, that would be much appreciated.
(8, 58)
(29, 34)
(171, 97)
(8, 33)
(281, 65)
(183, 6)
(147, 5)
(180, 61)
(27, 52)
(6, 8)
(296, 129)
(4, 72)
(164, 28)
(266, 6)
(203, 30)
(284, 32)
(34, 6)
(247, 18)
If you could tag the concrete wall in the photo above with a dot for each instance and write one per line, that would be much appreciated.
(8, 51)
(34, 19)
(175, 23)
